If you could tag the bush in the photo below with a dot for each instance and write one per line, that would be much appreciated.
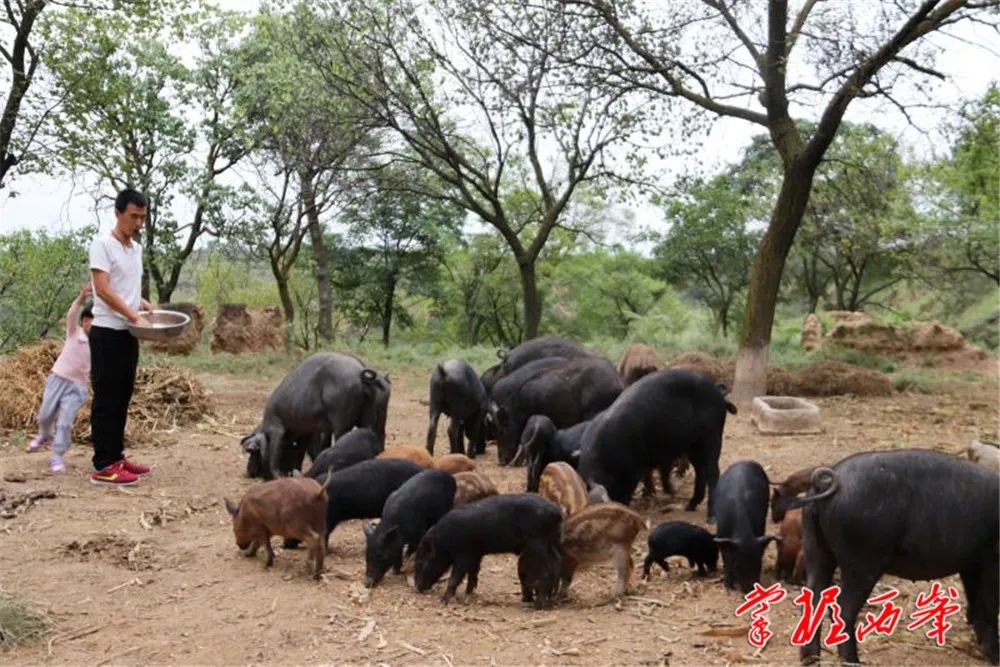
(40, 275)
(915, 380)
(19, 621)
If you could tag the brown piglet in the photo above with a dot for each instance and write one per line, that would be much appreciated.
(784, 493)
(639, 360)
(454, 463)
(472, 486)
(412, 453)
(597, 533)
(790, 565)
(293, 507)
(563, 486)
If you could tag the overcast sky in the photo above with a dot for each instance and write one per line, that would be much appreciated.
(59, 205)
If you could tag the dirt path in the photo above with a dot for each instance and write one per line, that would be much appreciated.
(152, 575)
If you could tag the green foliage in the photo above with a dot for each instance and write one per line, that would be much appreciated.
(395, 243)
(40, 275)
(917, 380)
(124, 119)
(598, 293)
(218, 278)
(710, 245)
(961, 247)
(20, 622)
(481, 298)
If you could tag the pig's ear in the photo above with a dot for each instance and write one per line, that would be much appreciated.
(231, 507)
(368, 527)
(253, 442)
(768, 538)
(392, 531)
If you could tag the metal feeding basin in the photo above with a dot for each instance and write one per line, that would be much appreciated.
(785, 415)
(165, 324)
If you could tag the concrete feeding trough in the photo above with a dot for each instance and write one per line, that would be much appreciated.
(785, 415)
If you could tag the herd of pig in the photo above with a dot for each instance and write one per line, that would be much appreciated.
(588, 434)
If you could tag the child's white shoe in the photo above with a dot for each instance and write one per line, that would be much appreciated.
(57, 464)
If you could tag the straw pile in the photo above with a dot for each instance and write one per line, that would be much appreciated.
(237, 330)
(164, 395)
(190, 338)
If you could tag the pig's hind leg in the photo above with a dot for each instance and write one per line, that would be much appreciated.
(623, 563)
(266, 539)
(317, 549)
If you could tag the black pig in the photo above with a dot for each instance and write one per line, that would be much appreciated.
(360, 492)
(456, 390)
(741, 509)
(680, 538)
(916, 514)
(356, 446)
(409, 512)
(521, 523)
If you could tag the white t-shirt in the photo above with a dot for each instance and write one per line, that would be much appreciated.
(123, 264)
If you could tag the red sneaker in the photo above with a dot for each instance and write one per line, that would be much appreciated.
(135, 468)
(113, 475)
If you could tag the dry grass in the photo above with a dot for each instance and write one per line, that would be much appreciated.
(19, 621)
(165, 394)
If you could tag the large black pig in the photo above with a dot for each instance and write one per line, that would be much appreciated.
(322, 398)
(566, 393)
(656, 420)
(916, 514)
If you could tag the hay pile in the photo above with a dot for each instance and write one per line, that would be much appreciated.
(238, 330)
(835, 378)
(164, 395)
(706, 364)
(812, 333)
(826, 378)
(190, 338)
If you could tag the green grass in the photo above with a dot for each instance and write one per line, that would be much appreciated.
(916, 380)
(19, 621)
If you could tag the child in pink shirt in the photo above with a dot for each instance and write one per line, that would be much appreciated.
(66, 385)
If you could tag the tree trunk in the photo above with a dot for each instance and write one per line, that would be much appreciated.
(21, 76)
(324, 290)
(768, 264)
(532, 301)
(390, 293)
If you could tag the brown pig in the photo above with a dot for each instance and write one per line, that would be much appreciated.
(784, 492)
(597, 533)
(563, 486)
(454, 463)
(472, 486)
(638, 360)
(293, 507)
(412, 453)
(790, 565)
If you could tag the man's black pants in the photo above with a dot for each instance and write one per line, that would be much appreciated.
(114, 357)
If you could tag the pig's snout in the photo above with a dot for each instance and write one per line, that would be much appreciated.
(369, 581)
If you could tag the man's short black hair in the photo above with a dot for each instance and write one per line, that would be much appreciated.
(130, 196)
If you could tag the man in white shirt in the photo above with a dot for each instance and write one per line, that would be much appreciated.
(116, 271)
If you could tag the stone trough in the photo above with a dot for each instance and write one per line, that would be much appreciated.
(785, 415)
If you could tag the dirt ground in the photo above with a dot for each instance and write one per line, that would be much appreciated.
(152, 574)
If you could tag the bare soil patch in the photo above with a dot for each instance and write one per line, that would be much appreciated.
(152, 575)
